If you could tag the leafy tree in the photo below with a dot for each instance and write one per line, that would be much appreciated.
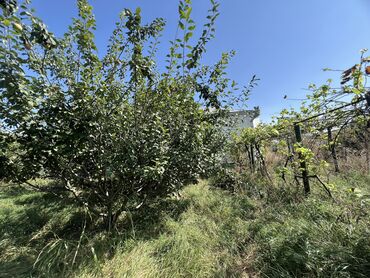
(113, 130)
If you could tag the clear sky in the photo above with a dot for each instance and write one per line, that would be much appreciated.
(286, 43)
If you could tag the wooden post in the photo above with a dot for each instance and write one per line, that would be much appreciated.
(303, 166)
(333, 151)
(367, 98)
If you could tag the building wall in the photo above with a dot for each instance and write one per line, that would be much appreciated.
(238, 120)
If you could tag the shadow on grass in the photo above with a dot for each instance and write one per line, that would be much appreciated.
(148, 222)
(19, 267)
(30, 220)
(27, 219)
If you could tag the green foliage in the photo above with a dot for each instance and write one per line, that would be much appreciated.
(257, 136)
(113, 130)
(248, 147)
(324, 118)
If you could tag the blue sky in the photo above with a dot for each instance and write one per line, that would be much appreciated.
(286, 43)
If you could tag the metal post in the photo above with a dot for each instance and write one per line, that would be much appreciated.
(303, 166)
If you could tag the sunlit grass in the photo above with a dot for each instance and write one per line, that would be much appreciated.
(202, 232)
(204, 242)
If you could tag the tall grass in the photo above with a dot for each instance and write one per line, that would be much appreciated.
(204, 241)
(317, 236)
(253, 230)
(30, 222)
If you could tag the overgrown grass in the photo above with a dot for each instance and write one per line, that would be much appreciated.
(256, 230)
(29, 221)
(204, 241)
(198, 234)
(314, 237)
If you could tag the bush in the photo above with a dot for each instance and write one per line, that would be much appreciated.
(114, 131)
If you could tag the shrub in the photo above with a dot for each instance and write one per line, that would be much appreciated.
(114, 131)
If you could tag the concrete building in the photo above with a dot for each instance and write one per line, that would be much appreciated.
(240, 119)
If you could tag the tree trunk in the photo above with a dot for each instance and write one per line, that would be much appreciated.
(249, 157)
(252, 158)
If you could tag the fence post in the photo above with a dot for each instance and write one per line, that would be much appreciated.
(333, 151)
(367, 98)
(303, 166)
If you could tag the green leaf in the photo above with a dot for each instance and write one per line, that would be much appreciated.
(188, 36)
(6, 22)
(181, 25)
(356, 91)
(187, 13)
(17, 27)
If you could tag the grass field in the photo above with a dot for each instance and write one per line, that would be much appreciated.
(202, 232)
